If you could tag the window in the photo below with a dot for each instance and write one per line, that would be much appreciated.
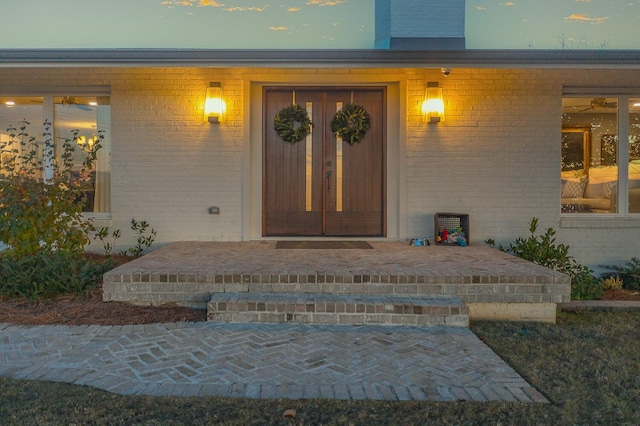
(89, 116)
(600, 165)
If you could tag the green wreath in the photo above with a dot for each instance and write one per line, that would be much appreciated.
(292, 123)
(351, 123)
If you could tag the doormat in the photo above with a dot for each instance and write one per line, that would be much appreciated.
(323, 245)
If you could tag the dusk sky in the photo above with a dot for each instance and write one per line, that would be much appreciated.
(298, 24)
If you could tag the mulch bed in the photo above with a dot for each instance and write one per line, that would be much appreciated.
(89, 309)
(629, 295)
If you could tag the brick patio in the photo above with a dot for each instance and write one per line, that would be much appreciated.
(491, 283)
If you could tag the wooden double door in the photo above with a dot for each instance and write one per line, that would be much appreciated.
(321, 185)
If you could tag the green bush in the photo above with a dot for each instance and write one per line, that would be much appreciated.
(544, 251)
(145, 238)
(41, 200)
(44, 275)
(629, 273)
(584, 286)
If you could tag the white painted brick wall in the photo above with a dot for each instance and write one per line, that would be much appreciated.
(177, 165)
(168, 166)
(496, 157)
(487, 157)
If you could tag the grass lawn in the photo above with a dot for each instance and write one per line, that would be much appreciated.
(588, 366)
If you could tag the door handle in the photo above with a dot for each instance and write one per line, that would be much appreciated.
(329, 181)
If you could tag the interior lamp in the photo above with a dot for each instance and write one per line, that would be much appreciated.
(214, 105)
(84, 141)
(433, 105)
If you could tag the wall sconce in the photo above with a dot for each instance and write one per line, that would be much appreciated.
(433, 105)
(214, 105)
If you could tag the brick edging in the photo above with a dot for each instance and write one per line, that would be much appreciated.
(599, 305)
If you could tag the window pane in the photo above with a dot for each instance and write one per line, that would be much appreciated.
(589, 155)
(14, 113)
(90, 117)
(634, 155)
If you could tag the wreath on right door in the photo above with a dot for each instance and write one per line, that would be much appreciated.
(351, 123)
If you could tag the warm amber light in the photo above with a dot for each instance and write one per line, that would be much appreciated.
(433, 105)
(214, 106)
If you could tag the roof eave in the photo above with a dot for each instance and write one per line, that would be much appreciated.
(320, 58)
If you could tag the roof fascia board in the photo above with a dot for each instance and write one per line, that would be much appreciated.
(531, 58)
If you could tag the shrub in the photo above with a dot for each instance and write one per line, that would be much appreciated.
(41, 200)
(145, 239)
(43, 275)
(629, 273)
(108, 239)
(612, 283)
(544, 251)
(584, 286)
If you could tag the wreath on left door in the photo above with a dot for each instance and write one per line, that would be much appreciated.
(293, 123)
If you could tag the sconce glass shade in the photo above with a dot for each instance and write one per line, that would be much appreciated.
(433, 105)
(214, 106)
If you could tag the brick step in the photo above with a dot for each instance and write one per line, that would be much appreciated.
(343, 309)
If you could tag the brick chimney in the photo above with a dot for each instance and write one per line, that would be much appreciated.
(420, 24)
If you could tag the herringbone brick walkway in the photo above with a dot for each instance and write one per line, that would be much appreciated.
(265, 361)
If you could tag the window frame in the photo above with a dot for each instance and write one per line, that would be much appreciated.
(623, 96)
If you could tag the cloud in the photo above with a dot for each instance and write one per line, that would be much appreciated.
(245, 9)
(199, 3)
(509, 3)
(325, 2)
(178, 3)
(293, 9)
(583, 1)
(212, 3)
(279, 28)
(581, 17)
(481, 8)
